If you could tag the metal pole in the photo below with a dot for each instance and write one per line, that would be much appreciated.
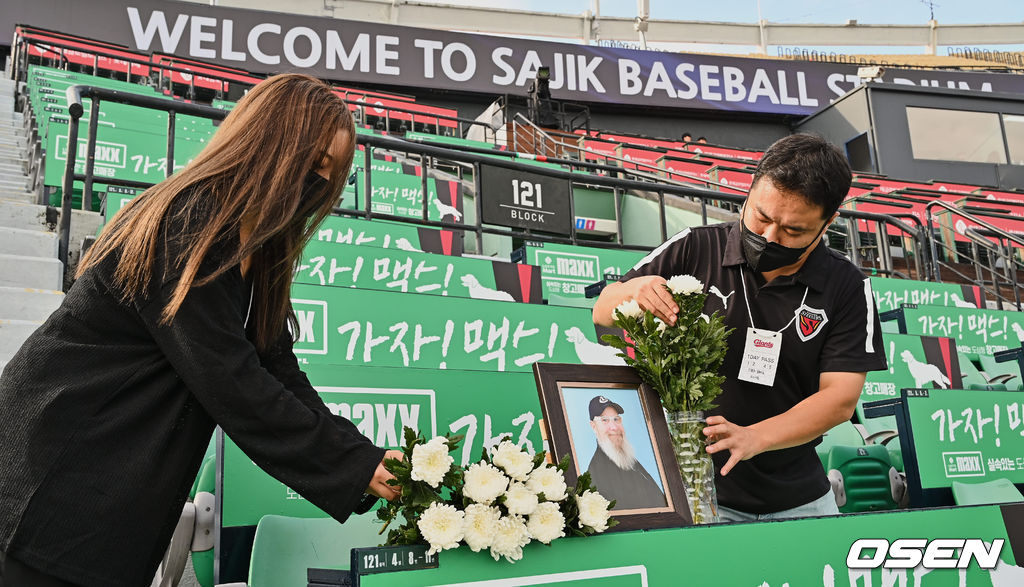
(64, 232)
(617, 194)
(90, 161)
(477, 195)
(171, 118)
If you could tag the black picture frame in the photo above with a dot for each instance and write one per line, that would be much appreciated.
(557, 381)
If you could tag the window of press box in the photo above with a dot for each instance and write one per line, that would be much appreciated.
(1014, 126)
(955, 135)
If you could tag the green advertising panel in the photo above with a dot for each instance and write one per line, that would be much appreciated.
(966, 435)
(346, 326)
(484, 407)
(891, 293)
(566, 269)
(400, 194)
(339, 265)
(121, 153)
(914, 362)
(977, 332)
(385, 234)
(810, 552)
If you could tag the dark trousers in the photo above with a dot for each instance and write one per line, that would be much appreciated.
(13, 573)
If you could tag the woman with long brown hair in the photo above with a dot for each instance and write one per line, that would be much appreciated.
(179, 321)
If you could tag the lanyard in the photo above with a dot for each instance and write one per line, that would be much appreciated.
(751, 316)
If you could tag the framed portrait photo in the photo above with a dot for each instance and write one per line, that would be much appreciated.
(611, 424)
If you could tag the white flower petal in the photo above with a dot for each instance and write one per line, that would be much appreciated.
(685, 284)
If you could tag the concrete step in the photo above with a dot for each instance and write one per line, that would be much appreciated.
(34, 272)
(13, 333)
(28, 242)
(22, 303)
(17, 197)
(24, 215)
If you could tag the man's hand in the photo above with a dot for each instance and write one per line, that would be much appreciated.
(742, 442)
(649, 291)
(378, 485)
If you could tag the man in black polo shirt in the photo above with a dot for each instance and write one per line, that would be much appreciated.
(805, 325)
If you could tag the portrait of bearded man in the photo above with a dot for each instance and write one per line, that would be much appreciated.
(614, 467)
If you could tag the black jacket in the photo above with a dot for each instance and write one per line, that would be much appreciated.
(632, 489)
(105, 416)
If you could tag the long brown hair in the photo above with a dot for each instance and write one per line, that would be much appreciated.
(252, 172)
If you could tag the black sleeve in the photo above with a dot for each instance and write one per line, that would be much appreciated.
(854, 342)
(282, 425)
(280, 361)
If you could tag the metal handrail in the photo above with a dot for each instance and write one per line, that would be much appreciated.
(75, 94)
(637, 172)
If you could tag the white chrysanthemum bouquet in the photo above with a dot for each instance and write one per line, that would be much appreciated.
(500, 504)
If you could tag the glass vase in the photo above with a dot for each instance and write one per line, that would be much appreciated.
(695, 465)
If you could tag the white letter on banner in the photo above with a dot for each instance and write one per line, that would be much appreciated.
(528, 70)
(428, 47)
(347, 59)
(707, 83)
(227, 40)
(254, 42)
(587, 75)
(446, 62)
(316, 46)
(733, 84)
(157, 23)
(801, 84)
(691, 87)
(629, 77)
(384, 55)
(197, 36)
(762, 86)
(659, 80)
(832, 81)
(879, 545)
(508, 73)
(784, 96)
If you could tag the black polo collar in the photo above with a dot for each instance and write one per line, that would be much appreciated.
(813, 273)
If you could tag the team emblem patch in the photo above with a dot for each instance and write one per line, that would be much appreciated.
(809, 322)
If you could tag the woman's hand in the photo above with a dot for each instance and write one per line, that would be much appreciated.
(378, 485)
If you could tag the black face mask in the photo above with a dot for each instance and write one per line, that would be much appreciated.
(762, 255)
(313, 187)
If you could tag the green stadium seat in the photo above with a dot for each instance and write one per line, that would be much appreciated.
(845, 434)
(1007, 373)
(975, 379)
(996, 491)
(285, 547)
(863, 479)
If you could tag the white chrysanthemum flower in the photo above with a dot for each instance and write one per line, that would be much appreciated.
(442, 526)
(549, 481)
(630, 309)
(517, 463)
(546, 523)
(484, 483)
(510, 538)
(661, 325)
(431, 461)
(685, 284)
(520, 500)
(481, 524)
(593, 510)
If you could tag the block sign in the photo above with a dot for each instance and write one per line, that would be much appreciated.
(521, 199)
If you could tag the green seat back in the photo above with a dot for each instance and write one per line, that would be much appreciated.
(993, 368)
(845, 434)
(865, 471)
(996, 491)
(285, 547)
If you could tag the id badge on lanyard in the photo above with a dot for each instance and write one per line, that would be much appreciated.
(760, 356)
(762, 349)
